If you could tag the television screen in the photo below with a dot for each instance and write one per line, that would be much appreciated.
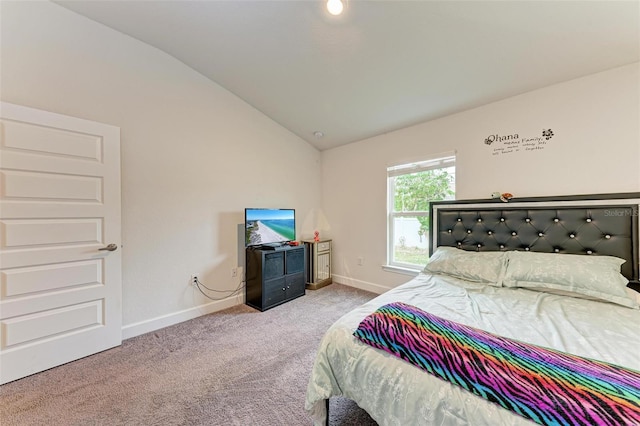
(269, 226)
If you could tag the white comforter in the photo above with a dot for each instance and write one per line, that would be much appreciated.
(395, 392)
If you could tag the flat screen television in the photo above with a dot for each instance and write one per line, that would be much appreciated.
(269, 227)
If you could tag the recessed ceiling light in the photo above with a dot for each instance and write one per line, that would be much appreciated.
(318, 134)
(335, 7)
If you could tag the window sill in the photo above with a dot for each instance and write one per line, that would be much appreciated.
(401, 270)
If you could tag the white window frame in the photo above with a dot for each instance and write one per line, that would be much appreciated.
(444, 160)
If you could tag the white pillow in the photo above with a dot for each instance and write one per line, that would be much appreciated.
(594, 276)
(482, 267)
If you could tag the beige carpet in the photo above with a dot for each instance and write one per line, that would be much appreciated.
(234, 367)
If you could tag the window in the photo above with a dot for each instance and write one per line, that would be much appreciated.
(411, 188)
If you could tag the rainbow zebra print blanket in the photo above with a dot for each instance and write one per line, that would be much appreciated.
(547, 386)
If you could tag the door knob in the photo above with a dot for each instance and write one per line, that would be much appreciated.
(110, 247)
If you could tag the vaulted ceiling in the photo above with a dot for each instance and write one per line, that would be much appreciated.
(381, 65)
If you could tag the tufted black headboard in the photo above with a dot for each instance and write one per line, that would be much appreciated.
(592, 225)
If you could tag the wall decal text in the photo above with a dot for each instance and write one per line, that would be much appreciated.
(514, 143)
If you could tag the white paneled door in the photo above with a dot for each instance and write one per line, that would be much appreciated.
(60, 262)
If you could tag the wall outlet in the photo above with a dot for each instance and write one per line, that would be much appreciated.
(360, 261)
(234, 272)
(194, 279)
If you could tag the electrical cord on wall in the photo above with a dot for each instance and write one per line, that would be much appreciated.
(231, 292)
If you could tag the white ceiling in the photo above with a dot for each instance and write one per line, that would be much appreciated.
(382, 65)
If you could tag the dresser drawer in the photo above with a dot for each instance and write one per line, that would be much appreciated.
(324, 246)
(274, 291)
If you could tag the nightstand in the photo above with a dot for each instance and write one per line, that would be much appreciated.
(318, 265)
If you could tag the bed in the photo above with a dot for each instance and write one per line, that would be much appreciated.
(536, 271)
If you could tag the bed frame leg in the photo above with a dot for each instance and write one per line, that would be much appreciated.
(326, 404)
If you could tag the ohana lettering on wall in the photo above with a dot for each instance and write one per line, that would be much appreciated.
(514, 143)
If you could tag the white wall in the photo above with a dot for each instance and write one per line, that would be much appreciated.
(193, 154)
(595, 149)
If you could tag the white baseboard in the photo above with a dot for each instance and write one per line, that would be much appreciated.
(362, 285)
(146, 326)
